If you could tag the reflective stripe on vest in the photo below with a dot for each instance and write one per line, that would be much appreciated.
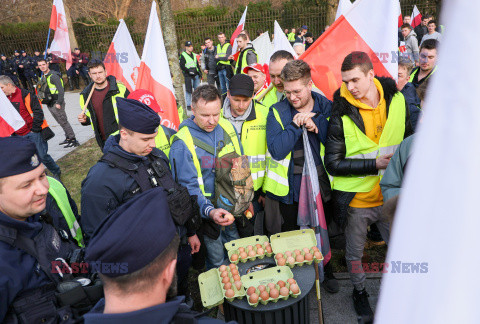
(190, 63)
(59, 193)
(223, 50)
(51, 86)
(418, 69)
(276, 178)
(359, 146)
(243, 63)
(185, 135)
(254, 142)
(162, 142)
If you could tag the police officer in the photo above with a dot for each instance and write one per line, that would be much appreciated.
(36, 57)
(38, 224)
(7, 67)
(140, 237)
(16, 60)
(130, 165)
(27, 66)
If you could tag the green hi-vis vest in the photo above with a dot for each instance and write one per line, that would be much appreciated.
(234, 146)
(291, 37)
(222, 50)
(276, 178)
(51, 86)
(359, 146)
(59, 193)
(242, 60)
(122, 89)
(190, 63)
(416, 71)
(180, 113)
(270, 98)
(162, 141)
(254, 143)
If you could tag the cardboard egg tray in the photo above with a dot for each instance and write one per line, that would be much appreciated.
(295, 240)
(264, 277)
(234, 247)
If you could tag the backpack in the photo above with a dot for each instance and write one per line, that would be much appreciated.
(43, 91)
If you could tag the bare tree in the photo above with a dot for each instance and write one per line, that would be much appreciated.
(98, 12)
(332, 6)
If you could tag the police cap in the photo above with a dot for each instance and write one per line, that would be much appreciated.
(18, 155)
(137, 116)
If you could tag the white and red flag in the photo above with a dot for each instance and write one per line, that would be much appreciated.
(122, 60)
(61, 42)
(10, 119)
(240, 27)
(371, 27)
(280, 41)
(343, 7)
(416, 17)
(154, 72)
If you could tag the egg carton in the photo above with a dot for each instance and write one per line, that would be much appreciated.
(295, 240)
(269, 276)
(303, 252)
(239, 292)
(259, 241)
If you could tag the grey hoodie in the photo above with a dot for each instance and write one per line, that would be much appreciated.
(411, 44)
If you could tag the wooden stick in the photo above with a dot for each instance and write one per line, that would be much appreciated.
(265, 93)
(319, 297)
(88, 98)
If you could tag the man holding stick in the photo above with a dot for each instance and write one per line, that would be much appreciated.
(98, 101)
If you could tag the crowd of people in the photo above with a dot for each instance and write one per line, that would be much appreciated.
(157, 203)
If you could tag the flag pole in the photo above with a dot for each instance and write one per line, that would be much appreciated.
(46, 46)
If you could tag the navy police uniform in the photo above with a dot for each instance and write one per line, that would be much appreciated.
(7, 67)
(123, 238)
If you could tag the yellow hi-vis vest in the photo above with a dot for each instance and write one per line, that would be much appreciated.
(53, 89)
(222, 50)
(234, 146)
(291, 37)
(276, 177)
(270, 98)
(359, 146)
(162, 141)
(242, 60)
(122, 89)
(190, 62)
(59, 193)
(416, 71)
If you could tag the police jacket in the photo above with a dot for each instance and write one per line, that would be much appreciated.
(7, 67)
(19, 271)
(163, 313)
(335, 147)
(106, 187)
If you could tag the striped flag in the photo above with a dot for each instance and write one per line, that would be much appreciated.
(370, 26)
(122, 60)
(240, 27)
(416, 17)
(61, 42)
(10, 119)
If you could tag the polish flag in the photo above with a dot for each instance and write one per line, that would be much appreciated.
(154, 72)
(61, 42)
(122, 60)
(343, 7)
(370, 26)
(280, 41)
(10, 119)
(240, 27)
(400, 20)
(416, 17)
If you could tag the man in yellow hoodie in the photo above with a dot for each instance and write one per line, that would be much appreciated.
(369, 120)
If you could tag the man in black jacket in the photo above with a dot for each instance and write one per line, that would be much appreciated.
(191, 72)
(359, 146)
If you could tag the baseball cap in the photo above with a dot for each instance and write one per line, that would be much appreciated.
(304, 27)
(241, 85)
(188, 43)
(257, 67)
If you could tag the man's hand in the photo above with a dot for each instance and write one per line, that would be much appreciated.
(301, 118)
(261, 201)
(77, 72)
(310, 126)
(194, 243)
(58, 106)
(221, 217)
(20, 66)
(82, 118)
(216, 56)
(206, 71)
(231, 57)
(382, 161)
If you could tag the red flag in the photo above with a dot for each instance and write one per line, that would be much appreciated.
(10, 119)
(240, 27)
(416, 17)
(122, 60)
(400, 21)
(349, 33)
(154, 73)
(61, 42)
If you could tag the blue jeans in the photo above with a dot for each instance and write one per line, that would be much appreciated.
(222, 75)
(190, 84)
(42, 148)
(215, 248)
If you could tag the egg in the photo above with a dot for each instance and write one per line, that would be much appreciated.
(251, 290)
(243, 255)
(281, 283)
(234, 257)
(264, 295)
(241, 249)
(224, 274)
(238, 284)
(284, 291)
(274, 293)
(225, 280)
(271, 286)
(314, 248)
(306, 250)
(288, 253)
(236, 278)
(294, 288)
(249, 248)
(253, 298)
(299, 258)
(266, 243)
(223, 268)
(227, 286)
(298, 252)
(258, 246)
(232, 266)
(234, 272)
(291, 260)
(229, 293)
(251, 253)
(268, 249)
(278, 256)
(281, 262)
(260, 251)
(291, 281)
(318, 255)
(308, 256)
(261, 288)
